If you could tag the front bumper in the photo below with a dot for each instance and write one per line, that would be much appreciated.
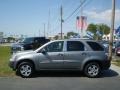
(12, 64)
(16, 49)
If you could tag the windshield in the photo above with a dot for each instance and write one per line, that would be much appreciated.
(28, 40)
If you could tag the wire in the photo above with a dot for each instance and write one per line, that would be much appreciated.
(84, 6)
(75, 10)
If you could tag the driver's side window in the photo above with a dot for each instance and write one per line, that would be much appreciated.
(55, 47)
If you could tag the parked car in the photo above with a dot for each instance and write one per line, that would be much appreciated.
(84, 55)
(29, 43)
(106, 45)
(117, 48)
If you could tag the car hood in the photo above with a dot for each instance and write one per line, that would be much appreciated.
(17, 44)
(21, 53)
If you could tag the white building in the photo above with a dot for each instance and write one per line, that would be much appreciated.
(1, 37)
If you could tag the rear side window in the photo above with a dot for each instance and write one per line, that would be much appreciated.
(95, 46)
(75, 46)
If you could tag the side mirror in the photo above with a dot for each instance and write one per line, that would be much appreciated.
(43, 51)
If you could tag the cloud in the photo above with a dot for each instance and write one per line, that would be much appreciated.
(104, 16)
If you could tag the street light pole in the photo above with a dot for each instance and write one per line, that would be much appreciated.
(112, 29)
(61, 14)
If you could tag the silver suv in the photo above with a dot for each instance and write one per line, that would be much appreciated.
(84, 55)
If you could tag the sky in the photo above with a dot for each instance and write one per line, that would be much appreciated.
(28, 17)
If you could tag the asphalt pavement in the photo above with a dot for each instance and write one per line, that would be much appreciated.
(62, 80)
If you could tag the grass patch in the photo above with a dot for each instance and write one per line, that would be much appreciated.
(5, 55)
(116, 62)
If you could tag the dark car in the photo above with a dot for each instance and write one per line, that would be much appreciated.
(29, 43)
(117, 48)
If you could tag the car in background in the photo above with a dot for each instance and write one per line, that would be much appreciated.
(29, 43)
(117, 48)
(106, 45)
(84, 55)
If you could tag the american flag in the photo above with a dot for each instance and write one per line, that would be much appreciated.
(81, 22)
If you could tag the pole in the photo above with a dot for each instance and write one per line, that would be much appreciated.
(81, 18)
(61, 14)
(39, 32)
(48, 27)
(112, 29)
(44, 30)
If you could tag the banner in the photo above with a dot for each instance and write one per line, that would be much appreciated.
(81, 22)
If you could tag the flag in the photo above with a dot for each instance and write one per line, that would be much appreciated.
(81, 22)
(90, 34)
(117, 31)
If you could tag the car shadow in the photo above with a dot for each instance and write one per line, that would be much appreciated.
(105, 73)
(59, 73)
(109, 73)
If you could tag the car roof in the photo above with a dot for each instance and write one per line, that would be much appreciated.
(75, 40)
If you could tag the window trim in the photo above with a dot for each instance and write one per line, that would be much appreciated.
(76, 51)
(96, 43)
(55, 42)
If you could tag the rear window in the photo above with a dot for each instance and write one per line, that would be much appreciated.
(75, 46)
(95, 46)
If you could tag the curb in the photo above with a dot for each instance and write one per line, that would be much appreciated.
(115, 68)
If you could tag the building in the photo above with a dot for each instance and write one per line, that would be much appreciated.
(1, 37)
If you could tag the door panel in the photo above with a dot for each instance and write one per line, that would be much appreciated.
(73, 59)
(53, 58)
(74, 55)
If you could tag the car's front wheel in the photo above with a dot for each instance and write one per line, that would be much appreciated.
(25, 69)
(92, 70)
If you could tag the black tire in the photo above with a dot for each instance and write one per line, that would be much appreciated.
(25, 69)
(92, 70)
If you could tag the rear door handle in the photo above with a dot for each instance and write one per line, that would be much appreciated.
(84, 54)
(60, 54)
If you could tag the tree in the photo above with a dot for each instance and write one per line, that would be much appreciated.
(56, 37)
(9, 39)
(103, 29)
(69, 34)
(92, 28)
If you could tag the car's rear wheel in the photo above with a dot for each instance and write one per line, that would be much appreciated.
(92, 70)
(25, 69)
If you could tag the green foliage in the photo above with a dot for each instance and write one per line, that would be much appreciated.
(69, 34)
(104, 28)
(10, 38)
(101, 27)
(92, 28)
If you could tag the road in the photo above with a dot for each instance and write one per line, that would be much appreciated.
(61, 80)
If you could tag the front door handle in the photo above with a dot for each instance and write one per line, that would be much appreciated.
(60, 54)
(84, 54)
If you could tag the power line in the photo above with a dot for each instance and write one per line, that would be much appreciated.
(70, 15)
(84, 6)
(75, 10)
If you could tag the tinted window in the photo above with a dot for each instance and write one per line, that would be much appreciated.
(55, 47)
(95, 46)
(28, 40)
(75, 46)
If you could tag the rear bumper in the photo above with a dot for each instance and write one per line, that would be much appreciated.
(106, 64)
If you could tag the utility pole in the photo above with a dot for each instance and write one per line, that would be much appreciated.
(112, 29)
(48, 27)
(39, 32)
(44, 30)
(81, 18)
(61, 14)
